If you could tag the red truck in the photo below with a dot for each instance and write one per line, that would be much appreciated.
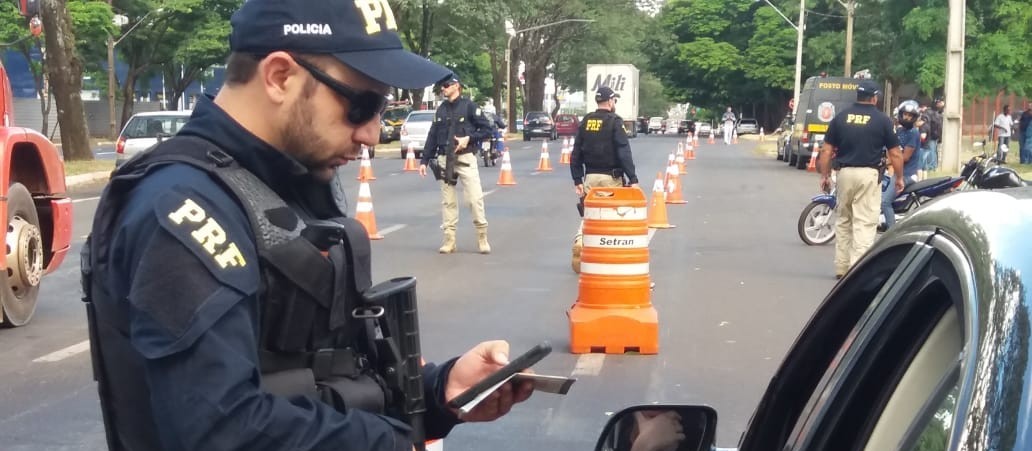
(35, 212)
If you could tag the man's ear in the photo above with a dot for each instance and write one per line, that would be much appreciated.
(279, 75)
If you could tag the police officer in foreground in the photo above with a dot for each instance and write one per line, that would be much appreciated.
(225, 287)
(855, 139)
(451, 148)
(601, 157)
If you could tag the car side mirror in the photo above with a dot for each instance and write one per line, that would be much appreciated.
(660, 427)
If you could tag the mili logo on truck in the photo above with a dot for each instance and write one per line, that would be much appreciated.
(615, 82)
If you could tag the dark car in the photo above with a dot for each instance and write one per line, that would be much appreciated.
(685, 126)
(566, 125)
(538, 124)
(925, 344)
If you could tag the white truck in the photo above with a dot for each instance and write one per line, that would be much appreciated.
(623, 79)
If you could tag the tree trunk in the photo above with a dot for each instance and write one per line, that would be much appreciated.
(497, 77)
(64, 69)
(555, 98)
(535, 79)
(129, 96)
(41, 92)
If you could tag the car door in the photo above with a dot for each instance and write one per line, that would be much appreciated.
(878, 366)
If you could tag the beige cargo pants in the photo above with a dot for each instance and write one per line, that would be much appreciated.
(469, 176)
(590, 181)
(858, 197)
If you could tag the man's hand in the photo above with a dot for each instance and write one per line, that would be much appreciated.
(900, 184)
(579, 189)
(474, 366)
(422, 170)
(825, 184)
(658, 432)
(461, 142)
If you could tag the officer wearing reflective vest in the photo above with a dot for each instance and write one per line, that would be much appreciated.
(601, 157)
(229, 299)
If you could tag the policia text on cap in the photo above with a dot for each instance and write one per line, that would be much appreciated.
(229, 299)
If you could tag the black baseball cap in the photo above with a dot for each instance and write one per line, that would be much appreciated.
(449, 80)
(867, 88)
(363, 35)
(605, 93)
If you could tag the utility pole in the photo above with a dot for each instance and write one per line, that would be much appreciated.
(850, 6)
(952, 115)
(112, 132)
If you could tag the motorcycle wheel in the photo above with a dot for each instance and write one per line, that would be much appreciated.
(816, 224)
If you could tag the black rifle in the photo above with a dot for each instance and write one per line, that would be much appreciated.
(391, 307)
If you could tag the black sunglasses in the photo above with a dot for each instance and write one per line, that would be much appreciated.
(365, 105)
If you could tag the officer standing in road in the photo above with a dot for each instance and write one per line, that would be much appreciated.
(226, 291)
(458, 129)
(601, 156)
(855, 139)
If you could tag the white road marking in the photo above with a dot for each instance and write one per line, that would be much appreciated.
(652, 232)
(588, 365)
(104, 153)
(490, 192)
(85, 199)
(65, 353)
(393, 228)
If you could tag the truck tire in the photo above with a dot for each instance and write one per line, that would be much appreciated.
(20, 287)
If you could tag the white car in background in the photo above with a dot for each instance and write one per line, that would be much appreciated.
(144, 130)
(415, 130)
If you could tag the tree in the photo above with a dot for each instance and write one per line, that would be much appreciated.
(206, 46)
(14, 30)
(64, 71)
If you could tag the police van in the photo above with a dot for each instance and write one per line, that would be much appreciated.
(821, 98)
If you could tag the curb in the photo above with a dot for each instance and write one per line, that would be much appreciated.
(87, 178)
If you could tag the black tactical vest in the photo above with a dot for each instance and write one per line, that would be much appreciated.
(313, 273)
(599, 150)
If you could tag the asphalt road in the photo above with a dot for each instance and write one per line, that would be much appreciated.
(734, 285)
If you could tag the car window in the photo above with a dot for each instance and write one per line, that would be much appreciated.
(906, 342)
(395, 114)
(151, 126)
(564, 119)
(933, 427)
(420, 117)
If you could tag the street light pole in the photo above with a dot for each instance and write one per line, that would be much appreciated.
(508, 63)
(850, 6)
(799, 49)
(111, 43)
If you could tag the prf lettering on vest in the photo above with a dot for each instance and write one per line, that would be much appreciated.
(372, 11)
(858, 119)
(210, 235)
(593, 125)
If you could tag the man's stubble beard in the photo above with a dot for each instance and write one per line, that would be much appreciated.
(301, 142)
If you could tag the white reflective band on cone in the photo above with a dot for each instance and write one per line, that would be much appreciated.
(615, 214)
(614, 269)
(364, 207)
(617, 241)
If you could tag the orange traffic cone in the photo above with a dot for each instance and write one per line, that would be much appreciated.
(657, 205)
(680, 159)
(691, 150)
(364, 211)
(410, 159)
(544, 165)
(365, 171)
(695, 140)
(734, 137)
(564, 157)
(505, 174)
(673, 186)
(711, 141)
(812, 165)
(761, 134)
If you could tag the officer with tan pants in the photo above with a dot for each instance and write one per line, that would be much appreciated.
(601, 156)
(458, 128)
(855, 139)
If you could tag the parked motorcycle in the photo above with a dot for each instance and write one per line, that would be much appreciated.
(816, 225)
(985, 172)
(491, 150)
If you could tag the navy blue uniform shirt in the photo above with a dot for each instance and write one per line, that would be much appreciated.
(910, 137)
(860, 133)
(202, 368)
(471, 122)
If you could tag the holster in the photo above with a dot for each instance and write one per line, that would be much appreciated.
(580, 206)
